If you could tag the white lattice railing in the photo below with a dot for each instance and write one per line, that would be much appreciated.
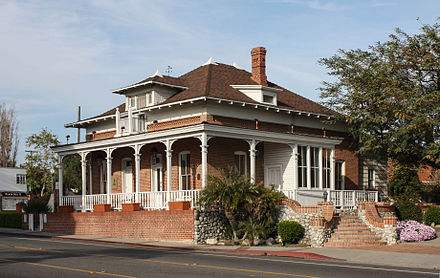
(147, 200)
(343, 199)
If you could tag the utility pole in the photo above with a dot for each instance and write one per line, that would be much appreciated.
(79, 119)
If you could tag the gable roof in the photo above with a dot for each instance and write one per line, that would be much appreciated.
(215, 80)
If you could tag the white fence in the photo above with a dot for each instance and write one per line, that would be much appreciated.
(148, 200)
(342, 199)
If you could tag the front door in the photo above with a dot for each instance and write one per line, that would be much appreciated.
(273, 176)
(127, 175)
(156, 173)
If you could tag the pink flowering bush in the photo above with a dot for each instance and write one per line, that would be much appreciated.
(414, 231)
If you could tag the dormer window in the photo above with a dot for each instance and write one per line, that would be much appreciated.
(268, 99)
(133, 102)
(149, 98)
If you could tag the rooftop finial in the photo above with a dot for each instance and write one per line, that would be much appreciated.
(210, 62)
(157, 73)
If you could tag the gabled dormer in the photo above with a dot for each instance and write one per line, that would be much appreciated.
(152, 91)
(261, 92)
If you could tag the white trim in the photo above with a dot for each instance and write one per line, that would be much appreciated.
(146, 83)
(256, 87)
(218, 100)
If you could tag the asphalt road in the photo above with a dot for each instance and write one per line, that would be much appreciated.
(22, 256)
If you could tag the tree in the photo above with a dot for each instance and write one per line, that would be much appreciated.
(72, 172)
(8, 136)
(390, 96)
(41, 162)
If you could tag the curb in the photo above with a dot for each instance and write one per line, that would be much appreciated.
(303, 255)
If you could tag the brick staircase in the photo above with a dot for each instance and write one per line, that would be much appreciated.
(350, 232)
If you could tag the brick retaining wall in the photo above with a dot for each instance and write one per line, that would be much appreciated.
(148, 225)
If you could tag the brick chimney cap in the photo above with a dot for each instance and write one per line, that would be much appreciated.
(258, 49)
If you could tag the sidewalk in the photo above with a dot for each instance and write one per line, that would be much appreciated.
(416, 255)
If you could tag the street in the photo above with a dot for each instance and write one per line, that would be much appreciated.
(23, 256)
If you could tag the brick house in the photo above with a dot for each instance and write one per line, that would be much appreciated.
(171, 132)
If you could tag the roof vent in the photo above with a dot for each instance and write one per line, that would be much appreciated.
(210, 62)
(157, 73)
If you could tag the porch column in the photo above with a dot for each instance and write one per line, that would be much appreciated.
(137, 158)
(253, 153)
(332, 168)
(320, 168)
(83, 179)
(204, 148)
(130, 120)
(60, 180)
(117, 122)
(109, 175)
(309, 169)
(295, 165)
(90, 177)
(169, 153)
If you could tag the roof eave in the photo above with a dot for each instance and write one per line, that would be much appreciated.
(123, 90)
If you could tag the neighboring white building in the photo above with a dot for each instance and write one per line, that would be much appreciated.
(12, 187)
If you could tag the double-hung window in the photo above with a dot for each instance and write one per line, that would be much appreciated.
(370, 178)
(302, 166)
(339, 175)
(326, 168)
(184, 171)
(314, 167)
(21, 179)
(240, 162)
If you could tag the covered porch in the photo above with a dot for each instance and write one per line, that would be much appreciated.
(156, 168)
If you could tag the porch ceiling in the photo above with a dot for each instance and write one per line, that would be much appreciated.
(194, 131)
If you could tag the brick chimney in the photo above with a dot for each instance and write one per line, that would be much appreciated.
(259, 65)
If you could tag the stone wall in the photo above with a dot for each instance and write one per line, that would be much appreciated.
(209, 225)
(383, 225)
(312, 234)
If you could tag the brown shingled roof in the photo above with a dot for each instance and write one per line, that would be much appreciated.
(215, 80)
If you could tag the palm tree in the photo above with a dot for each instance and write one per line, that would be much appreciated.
(232, 192)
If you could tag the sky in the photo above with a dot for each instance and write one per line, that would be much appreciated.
(58, 55)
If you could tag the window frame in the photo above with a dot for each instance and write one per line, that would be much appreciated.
(371, 180)
(187, 175)
(302, 166)
(244, 155)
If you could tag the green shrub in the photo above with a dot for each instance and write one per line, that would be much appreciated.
(432, 215)
(10, 219)
(37, 205)
(290, 231)
(408, 210)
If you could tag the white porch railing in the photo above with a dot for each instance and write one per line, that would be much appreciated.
(349, 199)
(342, 199)
(148, 200)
